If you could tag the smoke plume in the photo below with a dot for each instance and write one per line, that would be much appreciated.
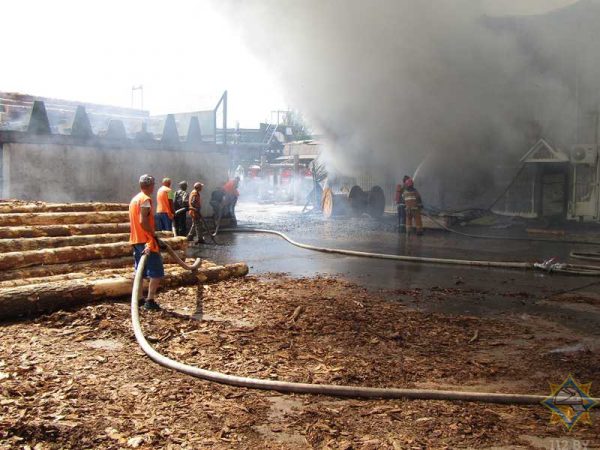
(395, 82)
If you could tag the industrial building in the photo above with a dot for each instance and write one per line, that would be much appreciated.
(553, 183)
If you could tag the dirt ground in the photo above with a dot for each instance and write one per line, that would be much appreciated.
(77, 379)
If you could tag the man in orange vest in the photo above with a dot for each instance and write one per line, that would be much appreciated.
(143, 239)
(195, 204)
(164, 206)
(231, 197)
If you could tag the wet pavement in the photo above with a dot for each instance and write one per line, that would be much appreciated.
(474, 291)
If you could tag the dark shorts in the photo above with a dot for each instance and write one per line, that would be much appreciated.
(163, 223)
(154, 263)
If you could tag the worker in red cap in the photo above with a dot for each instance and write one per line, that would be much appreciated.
(413, 205)
(195, 204)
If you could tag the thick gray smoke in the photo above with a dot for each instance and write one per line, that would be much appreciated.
(395, 82)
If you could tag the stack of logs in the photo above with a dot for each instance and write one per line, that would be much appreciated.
(56, 255)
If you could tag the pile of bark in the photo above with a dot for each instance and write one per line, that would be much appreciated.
(55, 255)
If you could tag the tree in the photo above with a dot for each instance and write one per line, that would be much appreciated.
(295, 120)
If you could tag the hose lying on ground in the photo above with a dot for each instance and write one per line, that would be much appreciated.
(508, 238)
(306, 388)
(592, 256)
(548, 266)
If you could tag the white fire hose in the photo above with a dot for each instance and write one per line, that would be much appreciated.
(307, 388)
(550, 265)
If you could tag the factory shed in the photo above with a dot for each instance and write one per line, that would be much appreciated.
(553, 184)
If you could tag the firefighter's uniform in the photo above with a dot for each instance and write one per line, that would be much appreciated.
(401, 208)
(413, 205)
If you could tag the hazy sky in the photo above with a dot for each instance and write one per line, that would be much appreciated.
(183, 52)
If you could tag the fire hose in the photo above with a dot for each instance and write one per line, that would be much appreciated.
(508, 238)
(163, 245)
(591, 256)
(550, 265)
(308, 388)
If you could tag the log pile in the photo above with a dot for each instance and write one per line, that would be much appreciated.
(57, 255)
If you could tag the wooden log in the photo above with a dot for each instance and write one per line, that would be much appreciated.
(48, 279)
(23, 207)
(58, 218)
(34, 299)
(56, 269)
(125, 270)
(25, 244)
(63, 230)
(183, 277)
(16, 260)
(84, 266)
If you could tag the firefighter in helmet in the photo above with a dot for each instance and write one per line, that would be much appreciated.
(401, 206)
(413, 205)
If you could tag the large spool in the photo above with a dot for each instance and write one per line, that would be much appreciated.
(356, 203)
(334, 205)
(376, 202)
(358, 200)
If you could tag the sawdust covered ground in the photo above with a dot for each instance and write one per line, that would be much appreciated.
(77, 379)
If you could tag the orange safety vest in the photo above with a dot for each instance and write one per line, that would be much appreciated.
(162, 201)
(195, 202)
(137, 234)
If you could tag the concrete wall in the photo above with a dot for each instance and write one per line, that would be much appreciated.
(68, 173)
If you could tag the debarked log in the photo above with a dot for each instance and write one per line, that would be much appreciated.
(181, 277)
(62, 230)
(41, 280)
(56, 269)
(35, 299)
(125, 269)
(84, 267)
(22, 207)
(16, 260)
(63, 218)
(27, 244)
